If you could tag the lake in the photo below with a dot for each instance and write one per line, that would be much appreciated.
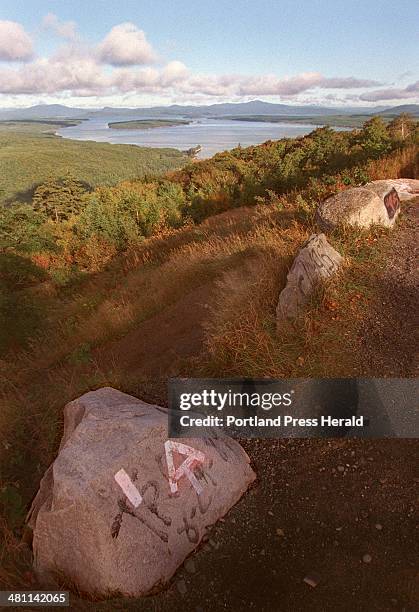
(213, 135)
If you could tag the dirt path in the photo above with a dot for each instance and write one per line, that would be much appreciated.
(389, 337)
(156, 346)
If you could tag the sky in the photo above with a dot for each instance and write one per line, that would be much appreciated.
(94, 53)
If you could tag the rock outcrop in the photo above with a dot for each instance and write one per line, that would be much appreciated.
(406, 188)
(361, 206)
(316, 261)
(122, 507)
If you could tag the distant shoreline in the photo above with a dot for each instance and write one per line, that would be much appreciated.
(338, 121)
(146, 124)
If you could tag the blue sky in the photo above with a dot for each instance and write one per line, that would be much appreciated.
(209, 51)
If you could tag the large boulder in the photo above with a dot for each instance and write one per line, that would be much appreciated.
(121, 507)
(316, 261)
(406, 188)
(359, 206)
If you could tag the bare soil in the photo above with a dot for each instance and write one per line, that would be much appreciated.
(389, 335)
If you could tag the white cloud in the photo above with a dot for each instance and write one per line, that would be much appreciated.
(126, 45)
(291, 86)
(46, 77)
(211, 85)
(392, 93)
(272, 85)
(174, 72)
(347, 83)
(139, 79)
(119, 68)
(75, 68)
(65, 29)
(15, 43)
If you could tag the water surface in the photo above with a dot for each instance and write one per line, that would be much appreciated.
(213, 135)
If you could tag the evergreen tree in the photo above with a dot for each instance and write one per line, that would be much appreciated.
(59, 198)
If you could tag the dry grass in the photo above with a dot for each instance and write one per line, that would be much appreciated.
(241, 336)
(404, 163)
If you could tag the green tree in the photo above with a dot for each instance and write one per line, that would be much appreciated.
(23, 229)
(374, 138)
(59, 198)
(106, 216)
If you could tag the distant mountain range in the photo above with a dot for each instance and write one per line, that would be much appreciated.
(255, 107)
(412, 109)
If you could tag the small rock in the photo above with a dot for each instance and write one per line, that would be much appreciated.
(181, 587)
(312, 580)
(280, 532)
(341, 468)
(378, 526)
(316, 261)
(367, 558)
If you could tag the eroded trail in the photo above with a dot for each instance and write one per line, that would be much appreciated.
(156, 346)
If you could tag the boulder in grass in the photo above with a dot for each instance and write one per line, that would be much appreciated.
(359, 206)
(316, 261)
(122, 507)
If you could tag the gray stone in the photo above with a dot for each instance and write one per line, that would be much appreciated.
(84, 525)
(316, 261)
(360, 206)
(406, 188)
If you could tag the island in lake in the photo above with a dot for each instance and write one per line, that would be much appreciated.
(146, 124)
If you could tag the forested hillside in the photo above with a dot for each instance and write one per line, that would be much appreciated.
(30, 153)
(70, 230)
(71, 227)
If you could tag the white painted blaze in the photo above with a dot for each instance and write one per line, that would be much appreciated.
(128, 487)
